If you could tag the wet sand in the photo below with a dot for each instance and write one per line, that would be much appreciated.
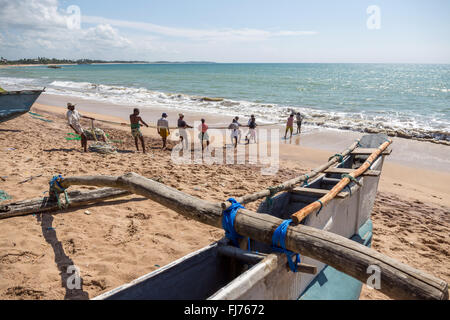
(122, 240)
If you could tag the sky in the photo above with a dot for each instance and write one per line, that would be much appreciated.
(330, 31)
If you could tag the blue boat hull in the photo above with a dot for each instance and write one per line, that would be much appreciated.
(16, 103)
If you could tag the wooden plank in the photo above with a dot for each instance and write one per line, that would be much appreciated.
(369, 151)
(77, 199)
(397, 281)
(369, 173)
(317, 192)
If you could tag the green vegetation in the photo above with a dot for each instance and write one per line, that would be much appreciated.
(53, 61)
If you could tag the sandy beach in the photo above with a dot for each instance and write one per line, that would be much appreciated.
(123, 239)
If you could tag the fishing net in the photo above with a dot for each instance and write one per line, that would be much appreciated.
(94, 134)
(102, 147)
(4, 196)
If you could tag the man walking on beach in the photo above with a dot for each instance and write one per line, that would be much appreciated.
(182, 126)
(163, 129)
(289, 126)
(239, 130)
(73, 117)
(135, 120)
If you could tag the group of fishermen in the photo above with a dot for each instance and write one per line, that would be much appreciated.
(136, 121)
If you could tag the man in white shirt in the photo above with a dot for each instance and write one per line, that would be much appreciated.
(163, 129)
(73, 117)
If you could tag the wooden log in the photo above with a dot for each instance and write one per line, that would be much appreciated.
(291, 183)
(77, 199)
(237, 253)
(317, 192)
(368, 173)
(369, 151)
(322, 202)
(397, 279)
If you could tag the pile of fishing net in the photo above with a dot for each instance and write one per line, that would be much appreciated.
(102, 147)
(99, 134)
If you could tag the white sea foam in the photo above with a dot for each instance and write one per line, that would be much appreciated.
(395, 123)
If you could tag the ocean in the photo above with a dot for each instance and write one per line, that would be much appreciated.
(407, 100)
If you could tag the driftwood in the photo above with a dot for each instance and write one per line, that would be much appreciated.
(46, 204)
(397, 279)
(288, 185)
(322, 202)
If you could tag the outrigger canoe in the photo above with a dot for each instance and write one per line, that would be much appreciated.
(221, 271)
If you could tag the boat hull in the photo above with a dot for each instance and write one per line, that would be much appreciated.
(15, 103)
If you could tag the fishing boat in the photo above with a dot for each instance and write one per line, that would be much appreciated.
(221, 271)
(16, 103)
(327, 218)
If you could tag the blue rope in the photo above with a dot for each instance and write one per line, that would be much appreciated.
(279, 244)
(56, 188)
(321, 206)
(349, 189)
(305, 183)
(228, 218)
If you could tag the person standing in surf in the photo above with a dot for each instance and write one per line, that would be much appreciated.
(299, 119)
(289, 126)
(136, 120)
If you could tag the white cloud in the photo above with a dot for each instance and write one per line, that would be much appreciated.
(201, 34)
(39, 27)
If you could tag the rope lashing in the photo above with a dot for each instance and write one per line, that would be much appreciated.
(279, 244)
(351, 178)
(273, 191)
(56, 189)
(229, 215)
(339, 156)
(321, 207)
(358, 144)
(349, 189)
(306, 183)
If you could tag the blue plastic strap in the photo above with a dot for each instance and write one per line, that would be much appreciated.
(279, 245)
(54, 183)
(321, 206)
(228, 218)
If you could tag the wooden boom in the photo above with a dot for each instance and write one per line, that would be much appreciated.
(322, 202)
(398, 280)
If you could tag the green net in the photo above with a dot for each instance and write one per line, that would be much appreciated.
(4, 196)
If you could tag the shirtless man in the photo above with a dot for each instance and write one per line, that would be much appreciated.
(135, 120)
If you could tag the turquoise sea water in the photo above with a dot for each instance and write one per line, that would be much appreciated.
(405, 99)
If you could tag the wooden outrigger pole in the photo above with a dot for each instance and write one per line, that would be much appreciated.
(398, 280)
(322, 202)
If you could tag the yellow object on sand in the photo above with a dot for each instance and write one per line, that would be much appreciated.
(2, 90)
